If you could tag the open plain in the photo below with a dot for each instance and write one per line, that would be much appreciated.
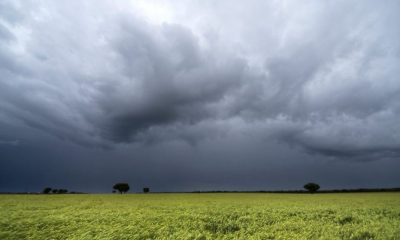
(201, 216)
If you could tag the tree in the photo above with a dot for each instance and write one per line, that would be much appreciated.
(146, 190)
(311, 187)
(54, 191)
(46, 190)
(62, 191)
(121, 187)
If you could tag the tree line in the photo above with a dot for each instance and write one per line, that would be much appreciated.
(48, 190)
(124, 188)
(310, 187)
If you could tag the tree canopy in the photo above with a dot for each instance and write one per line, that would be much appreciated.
(121, 187)
(311, 187)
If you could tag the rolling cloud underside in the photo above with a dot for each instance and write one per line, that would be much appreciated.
(311, 76)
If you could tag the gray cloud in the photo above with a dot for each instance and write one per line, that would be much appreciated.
(319, 76)
(168, 79)
(9, 142)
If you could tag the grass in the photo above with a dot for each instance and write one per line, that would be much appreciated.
(201, 216)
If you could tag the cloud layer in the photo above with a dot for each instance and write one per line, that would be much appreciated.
(321, 76)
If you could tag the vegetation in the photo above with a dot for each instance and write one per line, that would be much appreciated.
(46, 190)
(62, 191)
(353, 216)
(121, 187)
(311, 187)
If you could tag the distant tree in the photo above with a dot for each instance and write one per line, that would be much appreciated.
(113, 191)
(46, 190)
(62, 191)
(121, 187)
(54, 190)
(146, 190)
(311, 187)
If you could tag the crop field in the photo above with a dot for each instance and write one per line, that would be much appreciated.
(201, 216)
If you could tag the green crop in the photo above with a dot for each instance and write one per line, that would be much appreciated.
(201, 216)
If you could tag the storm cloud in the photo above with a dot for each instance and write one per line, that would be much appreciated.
(318, 78)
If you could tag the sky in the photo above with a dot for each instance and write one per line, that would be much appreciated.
(199, 95)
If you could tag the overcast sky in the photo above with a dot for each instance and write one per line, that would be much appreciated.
(199, 95)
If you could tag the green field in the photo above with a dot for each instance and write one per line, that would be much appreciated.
(201, 216)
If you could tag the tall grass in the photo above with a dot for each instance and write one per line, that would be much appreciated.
(201, 216)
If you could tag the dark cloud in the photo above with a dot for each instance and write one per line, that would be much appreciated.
(168, 79)
(319, 79)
